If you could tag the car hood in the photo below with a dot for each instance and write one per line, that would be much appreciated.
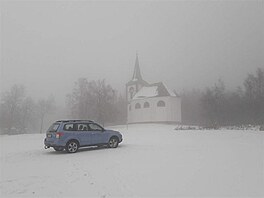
(113, 131)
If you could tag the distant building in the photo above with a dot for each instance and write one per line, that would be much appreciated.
(151, 103)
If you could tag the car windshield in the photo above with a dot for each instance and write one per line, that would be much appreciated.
(95, 127)
(54, 127)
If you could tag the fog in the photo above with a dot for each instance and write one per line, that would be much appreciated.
(48, 45)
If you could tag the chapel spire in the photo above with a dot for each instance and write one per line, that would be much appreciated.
(137, 74)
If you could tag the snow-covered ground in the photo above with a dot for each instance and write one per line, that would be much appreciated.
(153, 160)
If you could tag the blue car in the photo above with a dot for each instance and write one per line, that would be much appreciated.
(73, 134)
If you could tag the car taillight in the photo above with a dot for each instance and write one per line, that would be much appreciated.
(59, 134)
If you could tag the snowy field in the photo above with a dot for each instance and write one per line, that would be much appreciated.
(153, 161)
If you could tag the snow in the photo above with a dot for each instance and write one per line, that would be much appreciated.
(170, 92)
(154, 160)
(146, 92)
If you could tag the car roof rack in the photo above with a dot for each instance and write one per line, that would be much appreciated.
(74, 121)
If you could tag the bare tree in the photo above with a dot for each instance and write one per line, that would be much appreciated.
(11, 102)
(93, 100)
(28, 118)
(121, 110)
(254, 97)
(104, 97)
(80, 100)
(191, 107)
(213, 101)
(45, 106)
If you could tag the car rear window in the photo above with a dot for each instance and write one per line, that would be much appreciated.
(54, 127)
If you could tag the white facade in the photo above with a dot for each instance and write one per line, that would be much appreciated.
(151, 102)
(151, 112)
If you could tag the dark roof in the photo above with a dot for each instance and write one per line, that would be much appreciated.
(74, 121)
(137, 78)
(162, 90)
(154, 90)
(137, 74)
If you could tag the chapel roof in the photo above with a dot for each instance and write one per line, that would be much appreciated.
(154, 90)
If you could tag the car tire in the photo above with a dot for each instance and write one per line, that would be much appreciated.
(72, 146)
(113, 142)
(58, 148)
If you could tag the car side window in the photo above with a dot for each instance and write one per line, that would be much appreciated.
(68, 127)
(95, 127)
(82, 127)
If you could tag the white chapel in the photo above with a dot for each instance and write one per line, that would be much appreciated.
(151, 103)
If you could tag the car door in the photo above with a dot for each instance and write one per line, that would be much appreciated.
(84, 134)
(98, 135)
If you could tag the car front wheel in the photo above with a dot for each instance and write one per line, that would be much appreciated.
(72, 146)
(113, 142)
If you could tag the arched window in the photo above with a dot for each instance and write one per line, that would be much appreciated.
(146, 105)
(161, 103)
(137, 106)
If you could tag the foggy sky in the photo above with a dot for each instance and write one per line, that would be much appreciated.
(48, 45)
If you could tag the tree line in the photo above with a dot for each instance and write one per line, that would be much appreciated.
(21, 114)
(96, 100)
(216, 106)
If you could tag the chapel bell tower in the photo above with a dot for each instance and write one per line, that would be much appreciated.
(134, 85)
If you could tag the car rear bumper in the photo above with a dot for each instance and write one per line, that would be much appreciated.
(52, 143)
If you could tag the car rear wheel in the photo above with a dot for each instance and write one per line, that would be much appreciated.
(57, 148)
(72, 146)
(113, 142)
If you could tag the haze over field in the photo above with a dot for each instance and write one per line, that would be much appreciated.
(48, 45)
(199, 133)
